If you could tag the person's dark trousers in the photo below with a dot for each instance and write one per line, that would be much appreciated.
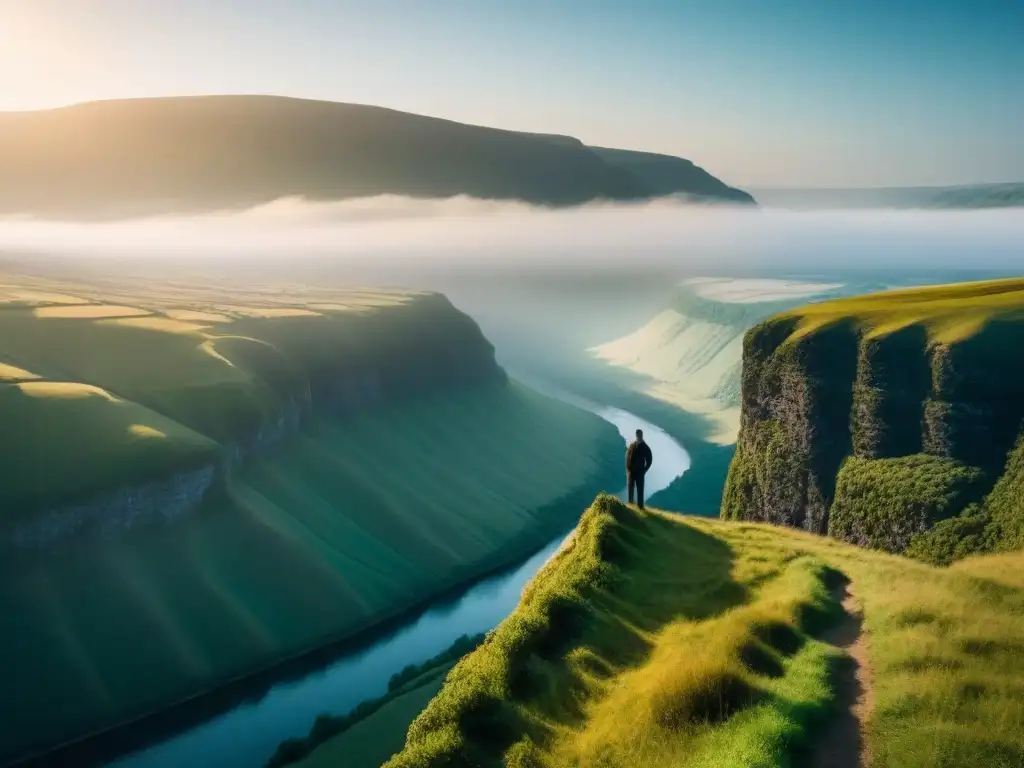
(635, 481)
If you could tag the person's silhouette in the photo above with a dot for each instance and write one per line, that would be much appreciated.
(638, 461)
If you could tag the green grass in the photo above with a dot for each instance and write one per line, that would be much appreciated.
(44, 461)
(370, 742)
(446, 471)
(78, 361)
(708, 634)
(950, 312)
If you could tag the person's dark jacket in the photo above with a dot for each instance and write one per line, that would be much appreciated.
(638, 457)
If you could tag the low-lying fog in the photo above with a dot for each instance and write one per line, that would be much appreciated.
(382, 233)
(533, 278)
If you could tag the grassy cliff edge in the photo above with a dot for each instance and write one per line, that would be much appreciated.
(711, 635)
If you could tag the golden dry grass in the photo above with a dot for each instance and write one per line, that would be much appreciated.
(951, 313)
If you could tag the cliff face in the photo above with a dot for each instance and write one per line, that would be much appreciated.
(873, 418)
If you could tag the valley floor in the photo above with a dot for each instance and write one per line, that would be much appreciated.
(657, 640)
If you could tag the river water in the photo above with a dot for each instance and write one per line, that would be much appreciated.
(246, 736)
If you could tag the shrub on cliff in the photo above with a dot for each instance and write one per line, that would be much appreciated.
(1005, 504)
(955, 538)
(883, 503)
(764, 476)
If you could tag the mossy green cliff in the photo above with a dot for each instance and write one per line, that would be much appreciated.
(873, 418)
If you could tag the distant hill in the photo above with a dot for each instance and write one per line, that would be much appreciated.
(980, 196)
(115, 158)
(965, 196)
(667, 175)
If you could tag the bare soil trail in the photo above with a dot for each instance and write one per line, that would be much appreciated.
(842, 743)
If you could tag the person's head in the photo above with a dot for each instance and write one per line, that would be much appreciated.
(639, 434)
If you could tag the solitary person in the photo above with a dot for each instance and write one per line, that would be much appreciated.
(638, 461)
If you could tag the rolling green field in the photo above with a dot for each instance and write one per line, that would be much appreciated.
(430, 469)
(156, 375)
(733, 644)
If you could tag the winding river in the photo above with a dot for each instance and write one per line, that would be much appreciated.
(247, 735)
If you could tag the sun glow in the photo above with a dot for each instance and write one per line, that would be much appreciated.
(42, 58)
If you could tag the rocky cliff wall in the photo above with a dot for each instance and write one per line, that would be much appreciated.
(874, 433)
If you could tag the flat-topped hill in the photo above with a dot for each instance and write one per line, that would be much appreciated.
(875, 418)
(160, 377)
(139, 156)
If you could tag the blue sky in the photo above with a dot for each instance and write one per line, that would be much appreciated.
(760, 92)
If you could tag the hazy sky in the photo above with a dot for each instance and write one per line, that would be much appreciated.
(760, 92)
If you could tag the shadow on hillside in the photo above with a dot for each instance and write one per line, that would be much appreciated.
(666, 571)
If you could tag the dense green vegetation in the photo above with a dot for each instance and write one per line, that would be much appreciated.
(708, 634)
(996, 525)
(372, 455)
(453, 653)
(875, 417)
(954, 538)
(143, 156)
(382, 716)
(370, 742)
(882, 503)
(1005, 505)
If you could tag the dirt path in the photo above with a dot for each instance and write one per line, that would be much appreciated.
(841, 742)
